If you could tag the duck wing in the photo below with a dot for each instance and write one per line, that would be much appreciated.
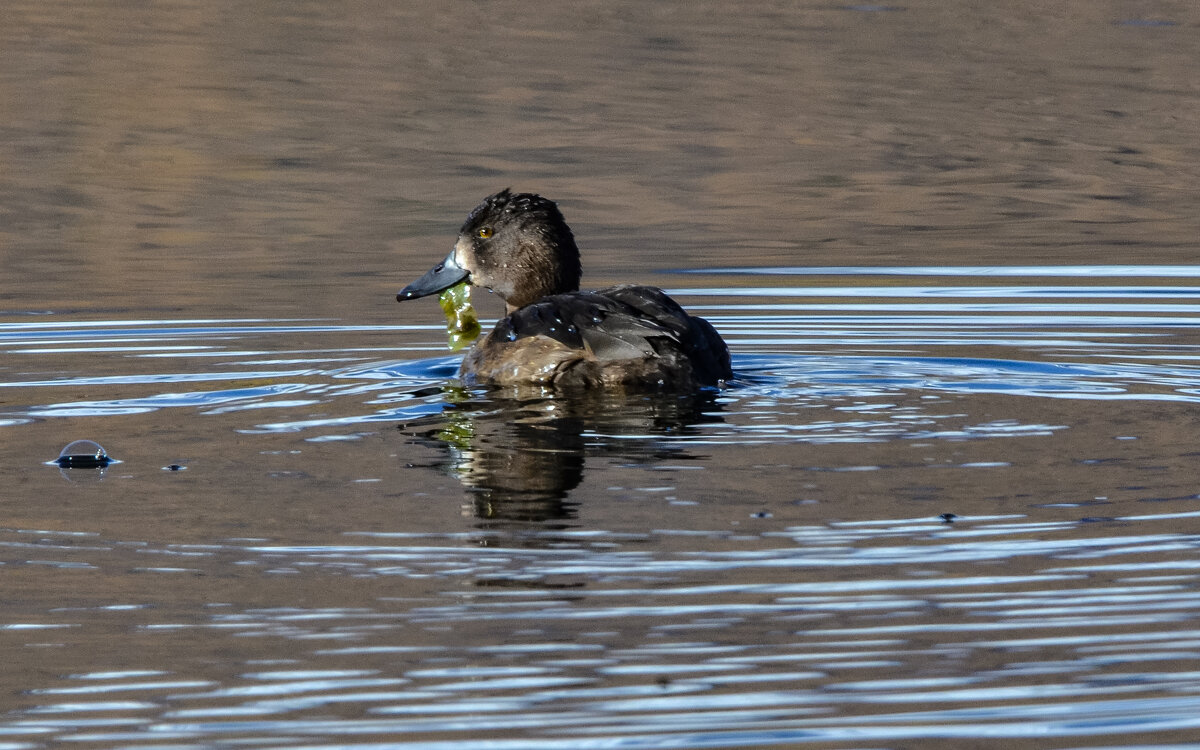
(694, 337)
(623, 323)
(608, 327)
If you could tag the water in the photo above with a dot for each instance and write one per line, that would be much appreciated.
(950, 499)
(907, 521)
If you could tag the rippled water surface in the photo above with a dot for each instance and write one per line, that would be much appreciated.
(949, 500)
(907, 520)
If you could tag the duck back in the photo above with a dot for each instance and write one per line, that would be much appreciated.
(627, 336)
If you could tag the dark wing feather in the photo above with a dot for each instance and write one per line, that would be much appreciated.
(623, 323)
(695, 337)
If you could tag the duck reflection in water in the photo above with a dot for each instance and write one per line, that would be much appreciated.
(520, 458)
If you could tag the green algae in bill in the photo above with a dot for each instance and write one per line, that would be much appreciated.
(462, 327)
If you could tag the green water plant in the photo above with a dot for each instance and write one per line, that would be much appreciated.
(462, 327)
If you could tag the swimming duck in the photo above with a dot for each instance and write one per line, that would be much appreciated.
(629, 337)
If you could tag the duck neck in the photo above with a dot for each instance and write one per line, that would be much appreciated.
(544, 272)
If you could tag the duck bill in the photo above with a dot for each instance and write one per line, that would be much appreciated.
(437, 279)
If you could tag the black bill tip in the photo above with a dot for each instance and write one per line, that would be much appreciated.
(437, 279)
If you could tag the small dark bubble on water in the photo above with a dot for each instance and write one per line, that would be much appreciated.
(762, 514)
(83, 454)
(83, 462)
(174, 467)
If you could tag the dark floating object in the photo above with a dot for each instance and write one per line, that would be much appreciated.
(174, 467)
(83, 454)
(948, 517)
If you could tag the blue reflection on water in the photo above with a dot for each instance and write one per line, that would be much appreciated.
(1056, 668)
(1127, 342)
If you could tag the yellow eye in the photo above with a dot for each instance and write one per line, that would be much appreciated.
(484, 232)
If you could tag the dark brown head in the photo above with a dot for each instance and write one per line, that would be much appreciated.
(518, 246)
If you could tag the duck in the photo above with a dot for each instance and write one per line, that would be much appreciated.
(626, 337)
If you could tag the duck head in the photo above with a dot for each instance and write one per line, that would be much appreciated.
(516, 245)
